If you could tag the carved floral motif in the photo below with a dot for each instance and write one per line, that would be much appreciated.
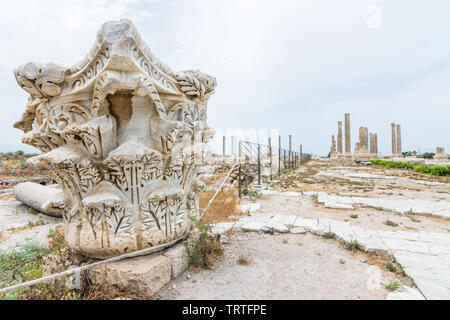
(119, 131)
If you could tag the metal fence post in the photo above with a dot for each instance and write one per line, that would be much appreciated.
(290, 152)
(223, 151)
(301, 147)
(270, 155)
(279, 155)
(259, 164)
(239, 175)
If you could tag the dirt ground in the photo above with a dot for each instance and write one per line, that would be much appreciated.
(282, 267)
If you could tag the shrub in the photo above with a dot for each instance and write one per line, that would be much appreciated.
(207, 248)
(422, 168)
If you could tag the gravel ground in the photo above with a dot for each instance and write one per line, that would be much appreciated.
(282, 267)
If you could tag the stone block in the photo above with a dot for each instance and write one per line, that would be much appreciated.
(141, 275)
(178, 256)
(253, 226)
(277, 227)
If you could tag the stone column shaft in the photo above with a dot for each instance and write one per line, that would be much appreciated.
(399, 140)
(348, 148)
(363, 140)
(375, 138)
(394, 140)
(339, 138)
(371, 144)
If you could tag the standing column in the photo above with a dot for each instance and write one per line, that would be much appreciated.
(394, 140)
(371, 144)
(333, 146)
(399, 141)
(339, 139)
(348, 148)
(375, 138)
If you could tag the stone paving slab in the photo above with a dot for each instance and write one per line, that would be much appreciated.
(417, 206)
(368, 176)
(250, 207)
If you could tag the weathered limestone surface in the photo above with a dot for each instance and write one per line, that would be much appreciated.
(45, 199)
(418, 206)
(123, 136)
(178, 256)
(142, 275)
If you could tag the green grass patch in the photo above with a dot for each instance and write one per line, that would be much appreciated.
(436, 170)
(21, 265)
(392, 286)
(354, 246)
(206, 249)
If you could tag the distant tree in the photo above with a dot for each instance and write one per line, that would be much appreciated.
(407, 154)
(428, 155)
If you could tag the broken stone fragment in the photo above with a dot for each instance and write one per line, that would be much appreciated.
(45, 199)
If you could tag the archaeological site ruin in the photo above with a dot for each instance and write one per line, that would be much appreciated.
(300, 173)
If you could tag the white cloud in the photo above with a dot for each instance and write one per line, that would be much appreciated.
(293, 65)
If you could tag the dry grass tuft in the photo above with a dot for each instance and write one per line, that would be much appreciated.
(12, 164)
(224, 205)
(243, 260)
(390, 223)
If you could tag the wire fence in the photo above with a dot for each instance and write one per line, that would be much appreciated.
(267, 159)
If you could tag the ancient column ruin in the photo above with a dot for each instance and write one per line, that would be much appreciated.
(333, 146)
(375, 136)
(339, 139)
(348, 151)
(399, 141)
(371, 144)
(440, 154)
(362, 147)
(119, 131)
(394, 140)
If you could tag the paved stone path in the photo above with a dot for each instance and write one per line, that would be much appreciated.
(417, 206)
(14, 220)
(424, 256)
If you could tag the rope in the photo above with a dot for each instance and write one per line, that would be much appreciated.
(217, 191)
(146, 251)
(150, 250)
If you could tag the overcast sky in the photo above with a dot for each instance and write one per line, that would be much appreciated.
(294, 66)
